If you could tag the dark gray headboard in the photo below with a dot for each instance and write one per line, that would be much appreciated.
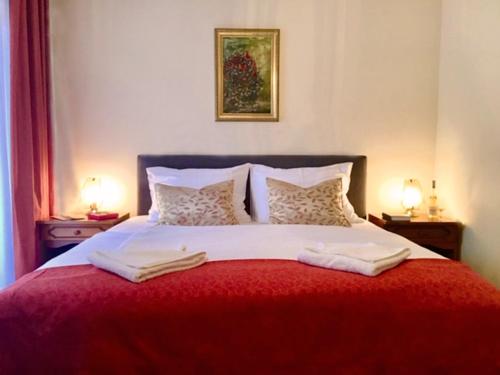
(356, 192)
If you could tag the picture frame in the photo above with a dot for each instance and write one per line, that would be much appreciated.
(247, 74)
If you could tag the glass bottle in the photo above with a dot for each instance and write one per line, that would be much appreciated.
(433, 208)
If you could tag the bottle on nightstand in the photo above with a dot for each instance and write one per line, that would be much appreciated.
(433, 208)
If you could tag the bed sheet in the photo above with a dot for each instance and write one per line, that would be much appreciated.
(251, 241)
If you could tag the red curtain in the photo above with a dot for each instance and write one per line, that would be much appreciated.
(32, 191)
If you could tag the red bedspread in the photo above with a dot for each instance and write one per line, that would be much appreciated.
(426, 316)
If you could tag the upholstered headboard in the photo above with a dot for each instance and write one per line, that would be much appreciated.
(356, 192)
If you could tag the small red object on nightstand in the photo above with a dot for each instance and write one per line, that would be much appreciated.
(102, 216)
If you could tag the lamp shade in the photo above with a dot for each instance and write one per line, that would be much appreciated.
(412, 195)
(92, 193)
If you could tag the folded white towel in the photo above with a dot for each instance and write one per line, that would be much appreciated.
(367, 251)
(368, 259)
(144, 265)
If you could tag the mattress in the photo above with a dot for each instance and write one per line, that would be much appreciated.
(231, 242)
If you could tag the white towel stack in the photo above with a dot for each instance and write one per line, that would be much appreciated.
(138, 266)
(368, 259)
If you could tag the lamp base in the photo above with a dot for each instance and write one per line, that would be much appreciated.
(411, 212)
(93, 209)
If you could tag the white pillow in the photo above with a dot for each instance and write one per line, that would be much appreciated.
(199, 178)
(303, 177)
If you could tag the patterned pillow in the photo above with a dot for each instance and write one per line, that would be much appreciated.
(211, 205)
(320, 204)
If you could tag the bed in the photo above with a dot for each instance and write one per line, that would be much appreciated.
(252, 308)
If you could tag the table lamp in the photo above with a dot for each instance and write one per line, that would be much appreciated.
(412, 196)
(92, 194)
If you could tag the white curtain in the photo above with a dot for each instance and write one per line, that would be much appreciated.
(6, 247)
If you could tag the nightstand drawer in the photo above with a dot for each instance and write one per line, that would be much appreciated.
(418, 233)
(76, 232)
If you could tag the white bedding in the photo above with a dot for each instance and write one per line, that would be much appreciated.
(252, 241)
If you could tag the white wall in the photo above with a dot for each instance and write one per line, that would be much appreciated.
(468, 136)
(133, 77)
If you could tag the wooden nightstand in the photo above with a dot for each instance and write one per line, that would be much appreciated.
(57, 236)
(443, 236)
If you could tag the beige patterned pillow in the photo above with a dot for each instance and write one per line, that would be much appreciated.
(320, 204)
(211, 205)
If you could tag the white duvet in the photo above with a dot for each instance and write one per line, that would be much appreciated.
(252, 241)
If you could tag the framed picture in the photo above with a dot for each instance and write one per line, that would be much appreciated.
(247, 74)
